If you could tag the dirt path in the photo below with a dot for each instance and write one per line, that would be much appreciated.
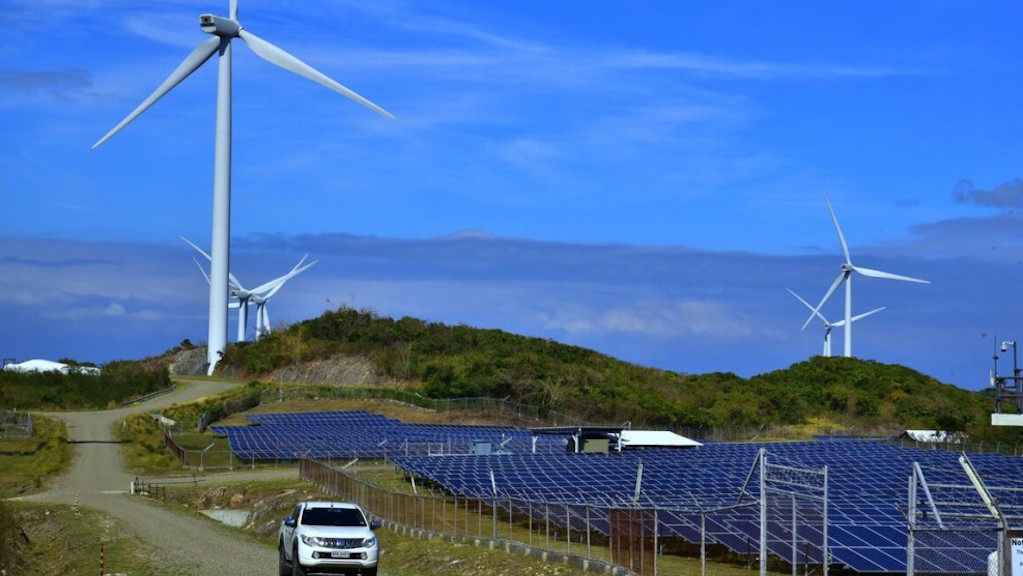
(185, 544)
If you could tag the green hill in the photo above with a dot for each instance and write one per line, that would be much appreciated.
(441, 361)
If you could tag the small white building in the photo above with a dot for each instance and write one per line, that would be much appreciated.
(49, 366)
(603, 439)
(655, 439)
(935, 436)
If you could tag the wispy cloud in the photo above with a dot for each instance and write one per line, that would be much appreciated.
(60, 84)
(753, 69)
(682, 309)
(1005, 195)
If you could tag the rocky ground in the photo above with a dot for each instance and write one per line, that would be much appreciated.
(337, 371)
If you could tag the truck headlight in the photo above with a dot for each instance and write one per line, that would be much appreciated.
(312, 540)
(370, 542)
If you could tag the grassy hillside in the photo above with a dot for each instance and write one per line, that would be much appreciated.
(442, 361)
(118, 382)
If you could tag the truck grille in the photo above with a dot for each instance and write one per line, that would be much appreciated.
(343, 542)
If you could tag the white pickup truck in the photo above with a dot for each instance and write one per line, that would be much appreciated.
(322, 537)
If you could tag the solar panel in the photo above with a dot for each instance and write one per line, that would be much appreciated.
(867, 487)
(866, 481)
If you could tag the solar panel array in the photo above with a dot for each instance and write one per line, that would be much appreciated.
(357, 434)
(867, 481)
(867, 491)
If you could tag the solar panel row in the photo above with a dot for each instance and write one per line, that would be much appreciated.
(867, 481)
(357, 434)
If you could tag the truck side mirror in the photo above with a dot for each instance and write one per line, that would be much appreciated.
(289, 522)
(375, 523)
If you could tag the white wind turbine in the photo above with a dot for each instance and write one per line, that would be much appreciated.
(261, 296)
(224, 30)
(261, 299)
(845, 275)
(829, 325)
(258, 296)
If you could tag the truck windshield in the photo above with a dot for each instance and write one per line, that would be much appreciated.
(333, 517)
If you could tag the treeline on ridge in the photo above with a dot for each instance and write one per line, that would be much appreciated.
(443, 361)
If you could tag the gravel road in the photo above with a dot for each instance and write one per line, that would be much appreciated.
(185, 544)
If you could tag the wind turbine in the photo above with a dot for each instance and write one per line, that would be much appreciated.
(224, 30)
(258, 296)
(261, 299)
(829, 325)
(261, 296)
(845, 276)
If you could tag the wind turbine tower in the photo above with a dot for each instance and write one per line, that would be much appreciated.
(845, 276)
(224, 30)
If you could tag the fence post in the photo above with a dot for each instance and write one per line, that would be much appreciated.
(568, 528)
(795, 551)
(547, 523)
(589, 530)
(530, 508)
(763, 512)
(703, 542)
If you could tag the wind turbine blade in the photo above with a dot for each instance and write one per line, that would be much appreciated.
(191, 62)
(834, 286)
(300, 262)
(798, 297)
(811, 308)
(290, 275)
(865, 314)
(201, 269)
(278, 57)
(274, 285)
(197, 249)
(234, 281)
(841, 238)
(887, 276)
(233, 10)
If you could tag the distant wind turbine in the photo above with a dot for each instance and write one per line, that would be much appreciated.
(224, 30)
(845, 275)
(258, 296)
(261, 296)
(829, 325)
(261, 299)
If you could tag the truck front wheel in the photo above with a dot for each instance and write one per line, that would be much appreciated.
(283, 566)
(296, 566)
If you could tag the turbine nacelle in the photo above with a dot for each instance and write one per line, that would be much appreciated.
(219, 26)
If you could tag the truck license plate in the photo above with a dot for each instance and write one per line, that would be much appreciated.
(340, 554)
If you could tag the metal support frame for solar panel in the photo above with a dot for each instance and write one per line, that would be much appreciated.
(703, 526)
(969, 512)
(801, 483)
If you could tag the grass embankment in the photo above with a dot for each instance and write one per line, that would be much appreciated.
(49, 540)
(26, 463)
(38, 539)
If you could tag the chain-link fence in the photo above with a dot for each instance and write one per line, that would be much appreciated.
(631, 535)
(15, 424)
(589, 536)
(959, 521)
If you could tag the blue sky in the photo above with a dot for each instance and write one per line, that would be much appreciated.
(643, 178)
